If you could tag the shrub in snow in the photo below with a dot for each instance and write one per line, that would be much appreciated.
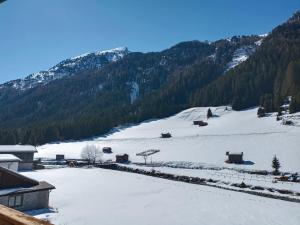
(243, 185)
(91, 153)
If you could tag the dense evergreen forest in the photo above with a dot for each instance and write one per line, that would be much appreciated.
(268, 77)
(186, 75)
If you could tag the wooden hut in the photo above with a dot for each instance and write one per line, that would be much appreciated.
(235, 157)
(107, 150)
(200, 123)
(122, 158)
(60, 157)
(166, 135)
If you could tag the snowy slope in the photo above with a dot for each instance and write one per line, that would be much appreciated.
(242, 54)
(259, 138)
(68, 67)
(97, 196)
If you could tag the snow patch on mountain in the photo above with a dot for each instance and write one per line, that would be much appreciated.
(135, 91)
(259, 42)
(242, 54)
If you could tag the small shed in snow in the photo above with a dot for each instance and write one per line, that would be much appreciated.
(235, 157)
(166, 135)
(60, 157)
(122, 158)
(200, 123)
(10, 162)
(107, 150)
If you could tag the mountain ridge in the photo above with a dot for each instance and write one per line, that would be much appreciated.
(68, 67)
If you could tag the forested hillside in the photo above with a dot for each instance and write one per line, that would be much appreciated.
(268, 77)
(243, 71)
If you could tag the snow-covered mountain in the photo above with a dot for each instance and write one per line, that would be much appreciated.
(68, 67)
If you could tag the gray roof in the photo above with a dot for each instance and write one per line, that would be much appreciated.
(42, 186)
(9, 158)
(17, 148)
(16, 183)
(235, 153)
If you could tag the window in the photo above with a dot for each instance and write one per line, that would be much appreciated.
(15, 201)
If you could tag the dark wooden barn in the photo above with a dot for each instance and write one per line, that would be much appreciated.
(166, 135)
(107, 150)
(235, 157)
(200, 123)
(122, 158)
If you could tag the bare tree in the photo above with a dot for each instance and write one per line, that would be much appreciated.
(91, 153)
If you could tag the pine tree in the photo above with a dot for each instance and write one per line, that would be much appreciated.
(209, 113)
(275, 165)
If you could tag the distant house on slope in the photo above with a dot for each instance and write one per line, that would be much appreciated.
(22, 193)
(235, 157)
(10, 162)
(24, 152)
(107, 150)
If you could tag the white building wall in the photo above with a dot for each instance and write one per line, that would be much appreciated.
(14, 166)
(31, 201)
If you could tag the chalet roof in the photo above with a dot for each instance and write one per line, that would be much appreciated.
(11, 179)
(12, 182)
(41, 186)
(122, 154)
(17, 148)
(9, 158)
(235, 153)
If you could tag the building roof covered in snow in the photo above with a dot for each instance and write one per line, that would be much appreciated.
(17, 148)
(9, 158)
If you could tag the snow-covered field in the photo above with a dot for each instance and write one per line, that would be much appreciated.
(97, 196)
(259, 138)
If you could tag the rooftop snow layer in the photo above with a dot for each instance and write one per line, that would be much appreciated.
(17, 148)
(9, 158)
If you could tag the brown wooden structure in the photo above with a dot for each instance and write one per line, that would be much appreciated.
(235, 157)
(122, 158)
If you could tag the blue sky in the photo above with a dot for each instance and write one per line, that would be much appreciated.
(37, 34)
